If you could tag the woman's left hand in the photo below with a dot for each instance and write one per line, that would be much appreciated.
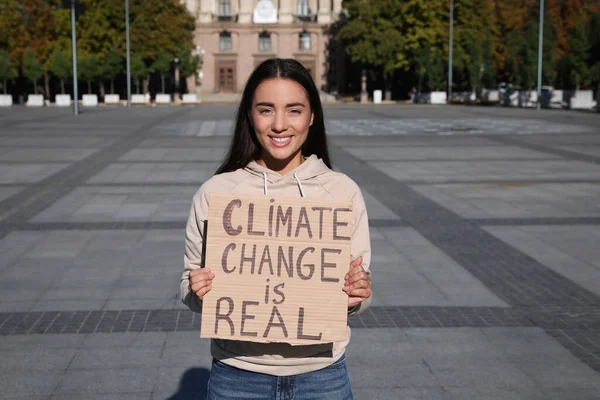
(357, 283)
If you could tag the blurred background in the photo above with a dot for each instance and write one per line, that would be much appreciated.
(409, 50)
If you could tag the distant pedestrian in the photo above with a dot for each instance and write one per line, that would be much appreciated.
(279, 147)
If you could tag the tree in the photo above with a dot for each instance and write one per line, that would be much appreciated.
(7, 69)
(32, 68)
(139, 70)
(61, 67)
(39, 32)
(12, 28)
(88, 69)
(160, 26)
(162, 65)
(190, 63)
(113, 66)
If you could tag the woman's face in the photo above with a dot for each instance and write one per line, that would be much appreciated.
(281, 117)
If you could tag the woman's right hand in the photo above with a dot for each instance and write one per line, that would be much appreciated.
(201, 281)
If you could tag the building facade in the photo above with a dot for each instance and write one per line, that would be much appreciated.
(234, 36)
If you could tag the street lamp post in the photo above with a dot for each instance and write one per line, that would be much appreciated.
(74, 43)
(128, 54)
(450, 52)
(540, 45)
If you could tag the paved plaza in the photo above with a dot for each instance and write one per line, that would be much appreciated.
(485, 228)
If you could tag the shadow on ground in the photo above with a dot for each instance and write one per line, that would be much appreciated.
(193, 385)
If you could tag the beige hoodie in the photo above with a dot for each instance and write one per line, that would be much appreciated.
(311, 179)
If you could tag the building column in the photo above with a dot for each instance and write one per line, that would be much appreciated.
(206, 10)
(245, 12)
(192, 6)
(324, 15)
(286, 11)
(337, 9)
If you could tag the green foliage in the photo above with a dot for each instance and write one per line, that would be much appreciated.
(189, 63)
(59, 65)
(7, 67)
(113, 65)
(11, 26)
(89, 69)
(162, 63)
(32, 68)
(139, 69)
(101, 28)
(160, 26)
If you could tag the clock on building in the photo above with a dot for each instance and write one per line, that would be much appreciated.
(265, 12)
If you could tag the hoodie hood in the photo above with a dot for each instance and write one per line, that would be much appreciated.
(311, 168)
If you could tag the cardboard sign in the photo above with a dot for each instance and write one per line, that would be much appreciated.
(279, 266)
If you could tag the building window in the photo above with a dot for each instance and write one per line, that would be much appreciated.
(264, 42)
(303, 7)
(224, 7)
(304, 41)
(225, 41)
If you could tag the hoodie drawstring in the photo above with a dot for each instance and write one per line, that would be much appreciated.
(265, 183)
(299, 185)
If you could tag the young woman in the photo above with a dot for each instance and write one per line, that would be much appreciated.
(278, 148)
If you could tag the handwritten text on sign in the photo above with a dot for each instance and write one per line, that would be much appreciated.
(279, 266)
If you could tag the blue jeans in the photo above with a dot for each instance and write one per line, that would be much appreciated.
(229, 383)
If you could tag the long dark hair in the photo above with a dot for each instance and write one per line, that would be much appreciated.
(244, 146)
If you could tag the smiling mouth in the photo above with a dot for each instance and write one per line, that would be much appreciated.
(281, 140)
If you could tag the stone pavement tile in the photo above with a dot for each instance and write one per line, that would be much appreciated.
(92, 277)
(185, 381)
(28, 173)
(469, 171)
(61, 244)
(402, 393)
(103, 396)
(515, 201)
(571, 394)
(124, 339)
(16, 306)
(75, 294)
(117, 357)
(433, 153)
(410, 294)
(16, 245)
(36, 359)
(41, 342)
(214, 155)
(174, 172)
(384, 359)
(68, 305)
(57, 142)
(484, 374)
(593, 150)
(143, 304)
(527, 344)
(40, 154)
(581, 265)
(6, 192)
(385, 272)
(440, 271)
(379, 375)
(115, 380)
(113, 204)
(492, 393)
(569, 372)
(376, 210)
(29, 383)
